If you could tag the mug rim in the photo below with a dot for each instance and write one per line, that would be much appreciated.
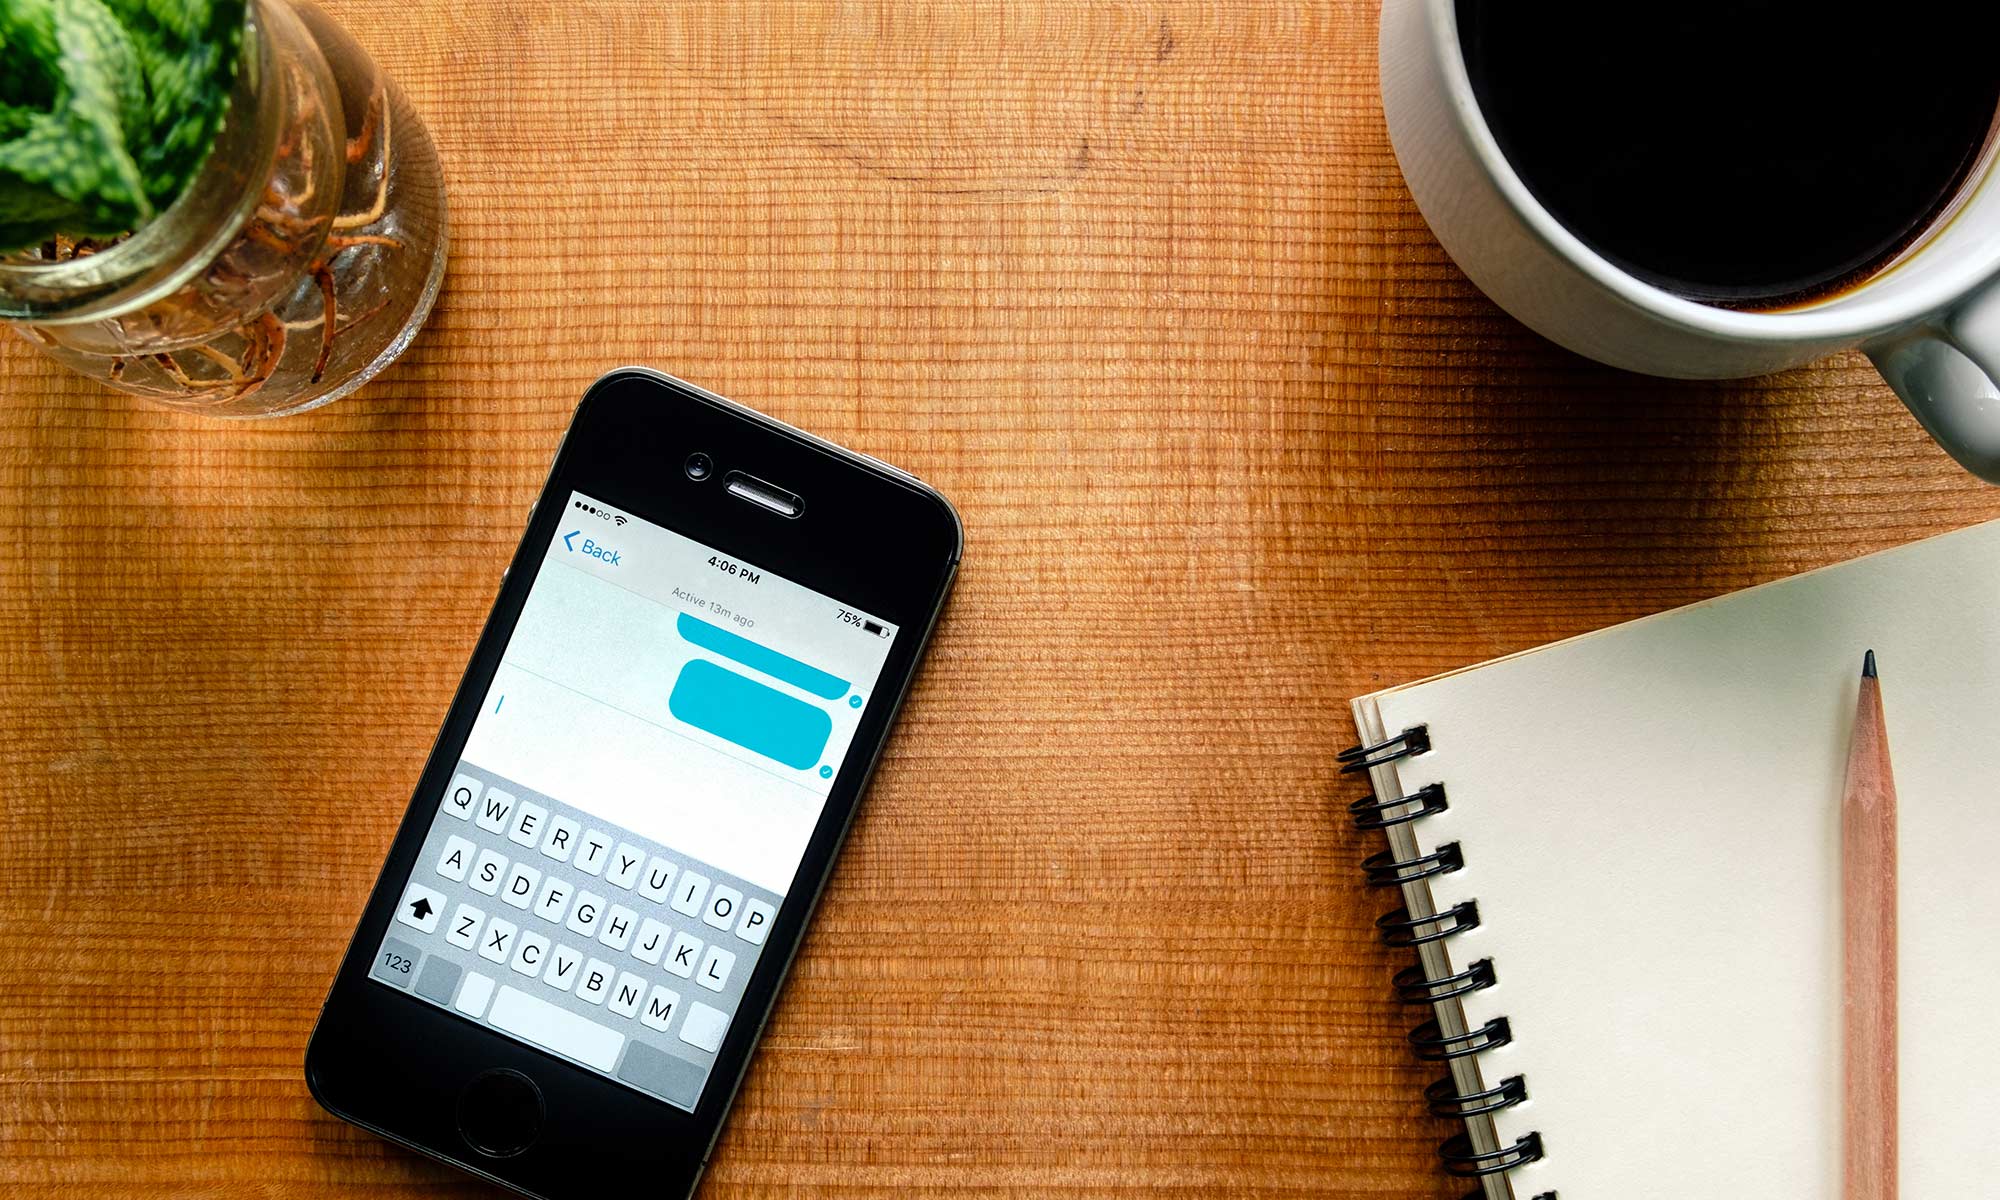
(1850, 314)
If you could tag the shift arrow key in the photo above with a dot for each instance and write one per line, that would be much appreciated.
(421, 908)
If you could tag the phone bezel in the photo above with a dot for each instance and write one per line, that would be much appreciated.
(870, 536)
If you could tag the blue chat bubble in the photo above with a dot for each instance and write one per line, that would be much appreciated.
(760, 719)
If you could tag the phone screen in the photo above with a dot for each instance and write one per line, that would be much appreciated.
(633, 801)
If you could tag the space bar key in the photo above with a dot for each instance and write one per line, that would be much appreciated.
(556, 1029)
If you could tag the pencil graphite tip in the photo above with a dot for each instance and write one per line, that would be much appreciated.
(1868, 665)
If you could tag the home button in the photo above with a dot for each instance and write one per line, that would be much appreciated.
(500, 1113)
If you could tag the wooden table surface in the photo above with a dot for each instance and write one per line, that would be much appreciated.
(1138, 286)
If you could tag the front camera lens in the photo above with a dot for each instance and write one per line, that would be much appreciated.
(700, 466)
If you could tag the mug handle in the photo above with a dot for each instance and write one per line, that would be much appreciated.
(1949, 375)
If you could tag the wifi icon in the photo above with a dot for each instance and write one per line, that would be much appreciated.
(617, 518)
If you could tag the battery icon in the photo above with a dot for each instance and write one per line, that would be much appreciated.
(874, 627)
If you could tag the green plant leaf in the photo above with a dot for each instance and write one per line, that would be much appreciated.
(107, 109)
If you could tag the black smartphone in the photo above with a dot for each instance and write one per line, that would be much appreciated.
(636, 796)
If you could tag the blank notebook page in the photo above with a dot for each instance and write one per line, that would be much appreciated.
(1650, 822)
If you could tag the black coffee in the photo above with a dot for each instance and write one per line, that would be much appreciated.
(1749, 154)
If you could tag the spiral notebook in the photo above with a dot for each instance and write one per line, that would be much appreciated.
(1618, 858)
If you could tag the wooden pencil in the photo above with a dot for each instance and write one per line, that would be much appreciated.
(1868, 896)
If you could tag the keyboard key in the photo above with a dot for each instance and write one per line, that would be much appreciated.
(422, 908)
(561, 839)
(756, 921)
(588, 912)
(488, 871)
(554, 900)
(618, 925)
(715, 969)
(493, 810)
(456, 859)
(626, 994)
(521, 881)
(625, 864)
(667, 1075)
(396, 963)
(689, 893)
(656, 879)
(659, 1010)
(565, 964)
(473, 995)
(686, 953)
(463, 929)
(592, 853)
(704, 1027)
(498, 940)
(461, 799)
(595, 982)
(533, 954)
(722, 905)
(439, 979)
(526, 828)
(652, 942)
(557, 1029)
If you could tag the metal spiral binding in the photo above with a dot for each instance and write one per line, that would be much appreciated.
(1462, 1160)
(1432, 1044)
(1443, 1099)
(1355, 759)
(1370, 813)
(1417, 988)
(1382, 870)
(1399, 928)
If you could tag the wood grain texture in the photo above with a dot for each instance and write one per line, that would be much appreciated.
(1139, 287)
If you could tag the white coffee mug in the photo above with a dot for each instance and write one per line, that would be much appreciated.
(1930, 319)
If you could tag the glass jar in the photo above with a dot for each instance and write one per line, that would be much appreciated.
(300, 260)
